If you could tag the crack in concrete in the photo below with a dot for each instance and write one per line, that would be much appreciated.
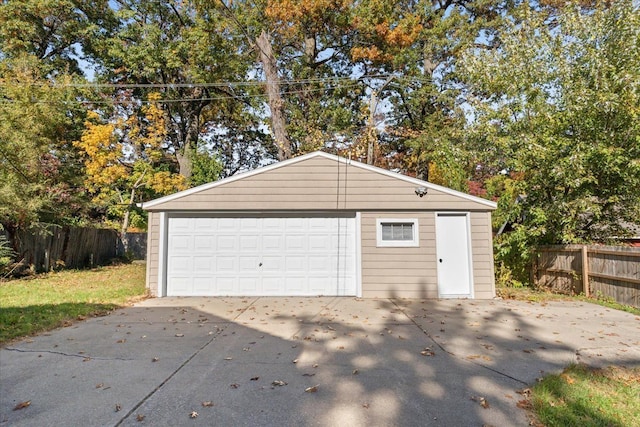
(441, 347)
(60, 353)
(189, 359)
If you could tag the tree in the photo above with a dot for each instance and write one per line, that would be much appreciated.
(39, 169)
(419, 43)
(559, 107)
(302, 55)
(53, 31)
(125, 159)
(189, 56)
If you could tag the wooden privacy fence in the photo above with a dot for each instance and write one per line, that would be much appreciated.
(610, 271)
(48, 247)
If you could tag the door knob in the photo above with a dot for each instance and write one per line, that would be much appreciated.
(260, 265)
(440, 260)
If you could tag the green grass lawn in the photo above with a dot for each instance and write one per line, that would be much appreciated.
(585, 397)
(33, 305)
(534, 295)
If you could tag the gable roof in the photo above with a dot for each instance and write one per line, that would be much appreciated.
(209, 187)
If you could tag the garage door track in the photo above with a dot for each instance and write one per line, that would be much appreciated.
(305, 361)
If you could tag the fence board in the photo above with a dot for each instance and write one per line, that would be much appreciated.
(46, 247)
(612, 271)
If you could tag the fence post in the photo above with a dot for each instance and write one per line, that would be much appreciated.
(585, 270)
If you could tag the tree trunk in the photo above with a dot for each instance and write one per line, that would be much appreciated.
(372, 133)
(276, 103)
(185, 161)
(310, 50)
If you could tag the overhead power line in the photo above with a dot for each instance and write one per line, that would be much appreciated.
(285, 82)
(197, 99)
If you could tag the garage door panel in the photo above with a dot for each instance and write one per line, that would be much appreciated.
(296, 242)
(261, 256)
(178, 224)
(180, 286)
(319, 242)
(205, 225)
(248, 285)
(203, 243)
(272, 243)
(202, 285)
(181, 242)
(319, 265)
(249, 242)
(293, 224)
(320, 285)
(295, 285)
(226, 264)
(248, 263)
(180, 265)
(272, 264)
(272, 223)
(203, 264)
(227, 224)
(271, 285)
(247, 224)
(226, 242)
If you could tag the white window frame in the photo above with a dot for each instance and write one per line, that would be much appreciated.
(415, 242)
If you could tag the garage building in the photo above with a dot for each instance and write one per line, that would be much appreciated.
(319, 224)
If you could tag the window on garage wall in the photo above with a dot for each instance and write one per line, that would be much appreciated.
(397, 232)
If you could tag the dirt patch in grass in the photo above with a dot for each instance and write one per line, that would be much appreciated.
(33, 305)
(583, 396)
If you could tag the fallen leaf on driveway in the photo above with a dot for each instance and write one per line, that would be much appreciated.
(312, 389)
(355, 372)
(22, 405)
(140, 418)
(255, 378)
(481, 400)
(118, 407)
(365, 405)
(279, 383)
(207, 403)
(122, 341)
(193, 414)
(427, 352)
(179, 335)
(308, 375)
(228, 358)
(155, 359)
(234, 385)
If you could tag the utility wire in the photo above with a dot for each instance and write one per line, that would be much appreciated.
(177, 100)
(225, 84)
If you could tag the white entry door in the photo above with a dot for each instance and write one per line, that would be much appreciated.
(453, 255)
(261, 256)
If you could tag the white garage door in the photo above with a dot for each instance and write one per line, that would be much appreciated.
(261, 256)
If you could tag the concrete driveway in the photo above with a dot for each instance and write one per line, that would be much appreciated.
(248, 361)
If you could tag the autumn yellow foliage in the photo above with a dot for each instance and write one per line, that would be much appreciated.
(125, 156)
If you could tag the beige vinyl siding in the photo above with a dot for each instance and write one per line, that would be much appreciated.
(153, 246)
(404, 272)
(482, 255)
(317, 183)
(411, 272)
